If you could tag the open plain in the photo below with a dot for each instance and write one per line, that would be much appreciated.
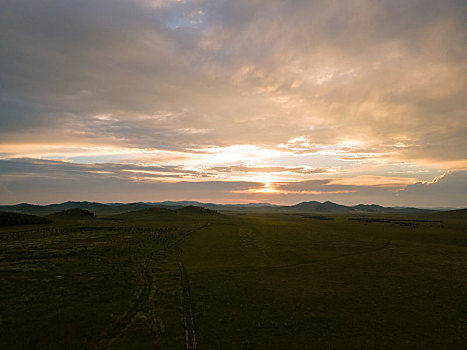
(197, 279)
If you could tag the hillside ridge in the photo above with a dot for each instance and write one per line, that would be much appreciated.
(103, 209)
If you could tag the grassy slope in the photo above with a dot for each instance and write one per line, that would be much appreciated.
(13, 219)
(257, 282)
(65, 286)
(460, 214)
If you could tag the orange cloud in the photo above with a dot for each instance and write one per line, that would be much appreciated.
(370, 180)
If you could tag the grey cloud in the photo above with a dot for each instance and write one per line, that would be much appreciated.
(26, 167)
(56, 169)
(374, 71)
(41, 181)
(324, 187)
(449, 189)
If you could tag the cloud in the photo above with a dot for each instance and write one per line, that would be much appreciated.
(53, 169)
(266, 169)
(449, 189)
(267, 69)
(383, 190)
(371, 180)
(44, 181)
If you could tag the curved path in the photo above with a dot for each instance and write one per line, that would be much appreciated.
(143, 297)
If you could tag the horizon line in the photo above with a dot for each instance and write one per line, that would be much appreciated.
(236, 204)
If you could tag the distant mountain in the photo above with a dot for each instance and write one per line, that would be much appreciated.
(81, 205)
(179, 204)
(21, 208)
(371, 208)
(330, 207)
(252, 205)
(303, 206)
(300, 208)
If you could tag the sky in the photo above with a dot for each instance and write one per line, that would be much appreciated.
(235, 101)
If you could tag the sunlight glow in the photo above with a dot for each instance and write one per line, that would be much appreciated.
(268, 188)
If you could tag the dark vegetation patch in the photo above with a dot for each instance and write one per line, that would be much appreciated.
(154, 214)
(156, 210)
(73, 213)
(397, 221)
(318, 217)
(11, 219)
(192, 209)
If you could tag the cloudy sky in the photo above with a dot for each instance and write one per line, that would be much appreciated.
(235, 101)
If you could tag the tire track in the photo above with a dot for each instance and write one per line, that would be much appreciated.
(191, 342)
(123, 323)
(143, 298)
(186, 300)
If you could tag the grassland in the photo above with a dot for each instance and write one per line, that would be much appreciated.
(160, 279)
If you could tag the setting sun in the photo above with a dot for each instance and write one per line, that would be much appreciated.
(267, 188)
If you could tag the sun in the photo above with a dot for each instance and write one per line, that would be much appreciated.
(268, 185)
(267, 188)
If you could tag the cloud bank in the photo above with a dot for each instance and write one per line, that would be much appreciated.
(57, 181)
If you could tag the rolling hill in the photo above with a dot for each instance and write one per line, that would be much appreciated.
(301, 208)
(11, 219)
(452, 214)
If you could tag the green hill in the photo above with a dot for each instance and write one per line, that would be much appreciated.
(11, 219)
(122, 208)
(147, 213)
(452, 214)
(195, 210)
(300, 208)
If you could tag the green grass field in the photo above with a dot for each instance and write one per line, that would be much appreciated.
(157, 279)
